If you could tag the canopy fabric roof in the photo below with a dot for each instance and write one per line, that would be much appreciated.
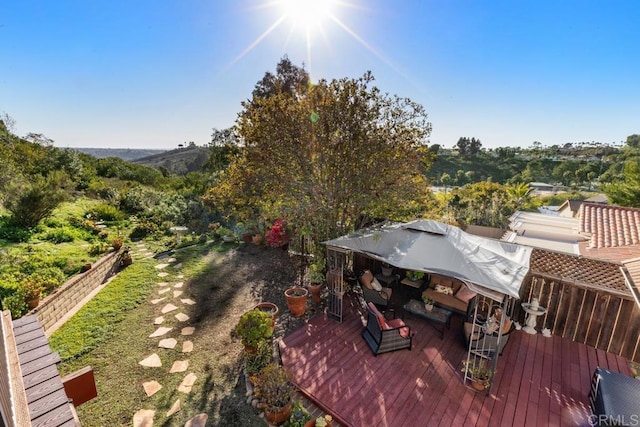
(439, 248)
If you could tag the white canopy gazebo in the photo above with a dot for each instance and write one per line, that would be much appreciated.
(492, 268)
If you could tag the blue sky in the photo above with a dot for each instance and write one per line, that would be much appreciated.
(156, 73)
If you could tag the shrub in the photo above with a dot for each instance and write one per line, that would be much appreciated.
(31, 287)
(143, 229)
(62, 235)
(12, 232)
(273, 386)
(254, 327)
(255, 362)
(277, 235)
(299, 416)
(106, 212)
(16, 304)
(98, 248)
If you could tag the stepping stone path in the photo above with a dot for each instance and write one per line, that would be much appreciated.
(162, 330)
(187, 383)
(151, 387)
(182, 317)
(189, 330)
(179, 366)
(174, 408)
(144, 417)
(168, 343)
(152, 361)
(199, 420)
(168, 308)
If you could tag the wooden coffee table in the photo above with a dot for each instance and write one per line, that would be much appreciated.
(439, 318)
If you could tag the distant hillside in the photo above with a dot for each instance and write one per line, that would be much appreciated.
(128, 154)
(179, 161)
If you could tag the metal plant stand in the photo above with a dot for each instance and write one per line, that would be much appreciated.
(336, 260)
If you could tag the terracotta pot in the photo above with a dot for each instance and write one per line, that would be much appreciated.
(257, 239)
(478, 385)
(127, 260)
(312, 423)
(269, 308)
(85, 268)
(247, 237)
(296, 300)
(315, 289)
(278, 415)
(33, 302)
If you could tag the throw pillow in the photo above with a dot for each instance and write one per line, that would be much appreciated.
(464, 294)
(376, 285)
(366, 279)
(444, 289)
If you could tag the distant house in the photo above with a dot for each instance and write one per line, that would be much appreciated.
(541, 186)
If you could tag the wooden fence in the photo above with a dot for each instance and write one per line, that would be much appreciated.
(586, 314)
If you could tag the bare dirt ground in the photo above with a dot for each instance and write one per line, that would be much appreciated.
(240, 279)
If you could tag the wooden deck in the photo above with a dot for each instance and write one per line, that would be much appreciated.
(540, 381)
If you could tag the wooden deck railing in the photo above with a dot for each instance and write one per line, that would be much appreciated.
(600, 318)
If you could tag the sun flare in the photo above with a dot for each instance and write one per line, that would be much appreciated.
(307, 14)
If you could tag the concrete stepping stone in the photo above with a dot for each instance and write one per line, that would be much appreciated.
(151, 387)
(178, 285)
(199, 420)
(176, 294)
(178, 266)
(157, 300)
(163, 284)
(182, 317)
(152, 361)
(189, 330)
(188, 301)
(179, 366)
(171, 260)
(168, 308)
(163, 274)
(187, 383)
(164, 291)
(180, 276)
(143, 418)
(162, 330)
(162, 266)
(174, 408)
(187, 347)
(168, 343)
(158, 320)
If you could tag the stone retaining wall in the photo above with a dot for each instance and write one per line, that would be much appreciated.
(67, 296)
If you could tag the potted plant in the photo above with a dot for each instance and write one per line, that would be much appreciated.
(274, 388)
(116, 243)
(256, 362)
(428, 303)
(320, 422)
(254, 327)
(270, 308)
(296, 300)
(478, 373)
(32, 291)
(415, 276)
(125, 257)
(315, 277)
(299, 416)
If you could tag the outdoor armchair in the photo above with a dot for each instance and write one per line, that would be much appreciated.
(487, 340)
(385, 335)
(373, 292)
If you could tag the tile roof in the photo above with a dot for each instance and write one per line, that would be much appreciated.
(610, 226)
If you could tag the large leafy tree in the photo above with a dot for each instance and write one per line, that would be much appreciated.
(623, 178)
(324, 154)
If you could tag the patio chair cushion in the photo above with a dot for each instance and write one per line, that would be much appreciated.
(381, 320)
(376, 285)
(398, 323)
(464, 294)
(366, 279)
